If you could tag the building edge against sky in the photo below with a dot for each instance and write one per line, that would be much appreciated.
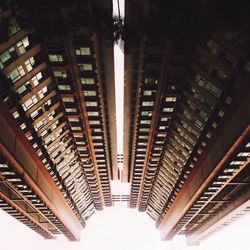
(60, 90)
(186, 127)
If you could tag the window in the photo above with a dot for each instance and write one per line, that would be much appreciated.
(144, 129)
(30, 102)
(23, 45)
(94, 122)
(56, 58)
(85, 66)
(87, 80)
(16, 114)
(168, 109)
(42, 92)
(16, 74)
(151, 81)
(36, 113)
(23, 126)
(213, 89)
(164, 119)
(62, 74)
(143, 137)
(147, 92)
(89, 93)
(91, 104)
(170, 99)
(68, 99)
(148, 104)
(73, 119)
(64, 87)
(36, 79)
(93, 113)
(162, 127)
(78, 135)
(199, 79)
(76, 128)
(97, 130)
(97, 137)
(71, 110)
(244, 154)
(40, 124)
(5, 57)
(145, 121)
(29, 64)
(21, 89)
(83, 51)
(146, 113)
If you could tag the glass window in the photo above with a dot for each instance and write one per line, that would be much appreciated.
(145, 121)
(16, 114)
(144, 129)
(21, 89)
(85, 66)
(147, 92)
(36, 113)
(29, 64)
(168, 109)
(146, 113)
(16, 73)
(22, 45)
(56, 58)
(170, 99)
(97, 137)
(36, 79)
(64, 87)
(42, 92)
(143, 137)
(93, 113)
(150, 80)
(97, 130)
(83, 51)
(162, 127)
(87, 80)
(89, 93)
(73, 119)
(244, 154)
(95, 122)
(62, 74)
(164, 119)
(5, 57)
(23, 126)
(30, 102)
(68, 99)
(148, 103)
(76, 128)
(213, 89)
(71, 110)
(91, 104)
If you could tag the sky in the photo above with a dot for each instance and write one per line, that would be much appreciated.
(119, 228)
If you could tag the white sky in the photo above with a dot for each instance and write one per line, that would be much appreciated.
(118, 228)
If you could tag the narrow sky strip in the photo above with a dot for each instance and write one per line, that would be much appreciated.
(119, 83)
